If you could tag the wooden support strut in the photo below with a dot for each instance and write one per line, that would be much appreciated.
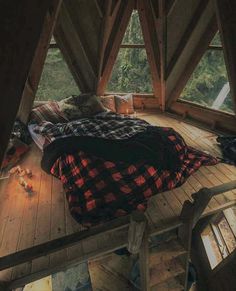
(136, 231)
(191, 212)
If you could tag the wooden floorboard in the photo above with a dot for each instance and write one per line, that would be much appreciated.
(29, 220)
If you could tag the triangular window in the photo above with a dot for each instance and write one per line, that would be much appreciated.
(56, 81)
(209, 85)
(131, 72)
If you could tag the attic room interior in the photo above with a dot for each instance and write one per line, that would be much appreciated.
(118, 145)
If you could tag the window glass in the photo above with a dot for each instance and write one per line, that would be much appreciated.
(208, 85)
(56, 81)
(131, 72)
(133, 34)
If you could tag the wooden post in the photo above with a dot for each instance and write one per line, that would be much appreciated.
(21, 23)
(144, 264)
(136, 231)
(225, 13)
(38, 62)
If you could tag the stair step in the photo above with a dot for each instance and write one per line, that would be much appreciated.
(165, 252)
(170, 285)
(164, 271)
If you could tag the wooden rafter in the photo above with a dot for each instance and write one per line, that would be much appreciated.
(80, 62)
(112, 47)
(196, 56)
(162, 24)
(105, 32)
(226, 15)
(148, 25)
(84, 44)
(20, 29)
(38, 62)
(169, 6)
(185, 38)
(214, 119)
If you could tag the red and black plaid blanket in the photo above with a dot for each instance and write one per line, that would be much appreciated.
(98, 190)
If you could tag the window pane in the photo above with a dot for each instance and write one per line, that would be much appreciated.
(211, 247)
(131, 72)
(216, 40)
(133, 34)
(209, 83)
(227, 235)
(56, 81)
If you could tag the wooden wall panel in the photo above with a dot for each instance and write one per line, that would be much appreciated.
(178, 21)
(213, 119)
(21, 23)
(38, 62)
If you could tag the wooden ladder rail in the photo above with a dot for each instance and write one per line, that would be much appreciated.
(191, 213)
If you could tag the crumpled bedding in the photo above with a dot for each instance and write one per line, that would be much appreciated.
(100, 187)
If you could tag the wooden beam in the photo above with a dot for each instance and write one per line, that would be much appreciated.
(68, 55)
(215, 47)
(21, 23)
(197, 54)
(60, 243)
(113, 43)
(125, 45)
(144, 264)
(148, 25)
(136, 231)
(225, 12)
(162, 25)
(104, 35)
(214, 119)
(100, 12)
(38, 62)
(169, 6)
(185, 38)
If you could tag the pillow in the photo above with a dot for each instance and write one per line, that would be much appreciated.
(124, 104)
(49, 111)
(79, 106)
(108, 102)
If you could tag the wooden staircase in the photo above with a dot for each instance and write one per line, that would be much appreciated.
(165, 267)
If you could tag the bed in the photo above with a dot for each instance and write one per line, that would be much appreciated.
(111, 164)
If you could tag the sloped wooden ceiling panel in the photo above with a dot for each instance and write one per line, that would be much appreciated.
(36, 69)
(77, 33)
(148, 14)
(21, 23)
(187, 50)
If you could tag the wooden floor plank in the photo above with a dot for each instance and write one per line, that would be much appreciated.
(46, 216)
(42, 233)
(58, 223)
(26, 237)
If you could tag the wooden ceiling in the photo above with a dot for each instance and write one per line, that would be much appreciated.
(89, 34)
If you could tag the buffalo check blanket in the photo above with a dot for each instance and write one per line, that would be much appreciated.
(98, 190)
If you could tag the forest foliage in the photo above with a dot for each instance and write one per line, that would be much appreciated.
(131, 73)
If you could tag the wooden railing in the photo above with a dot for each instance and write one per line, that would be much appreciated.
(191, 213)
(137, 230)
